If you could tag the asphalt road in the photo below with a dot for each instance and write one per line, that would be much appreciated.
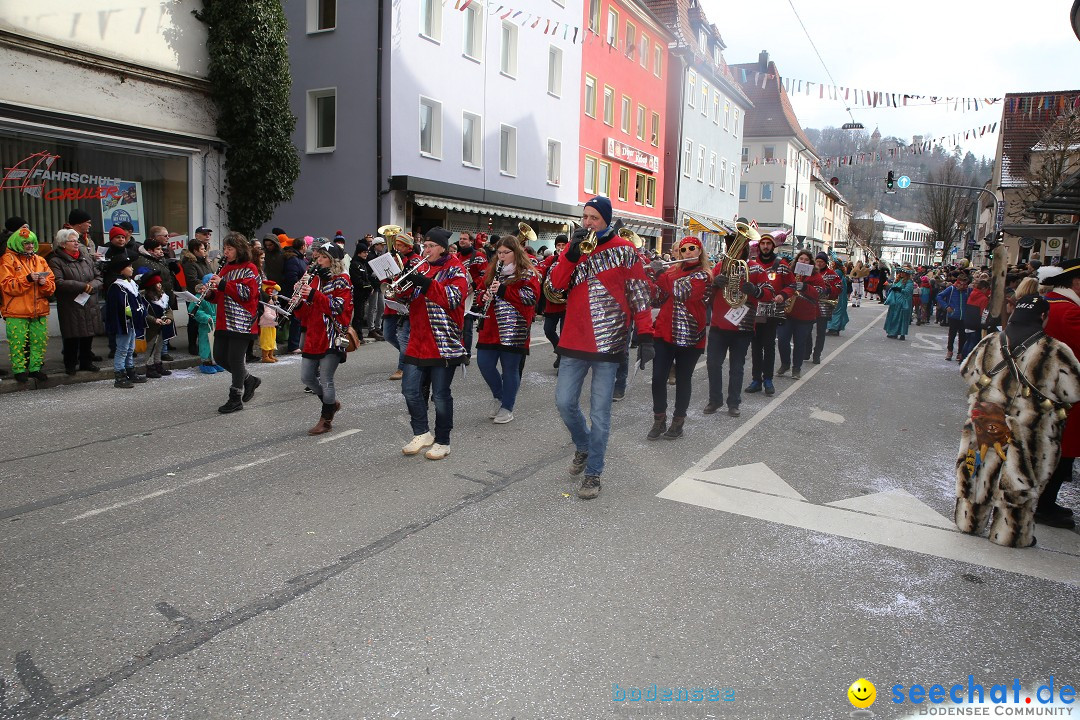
(163, 561)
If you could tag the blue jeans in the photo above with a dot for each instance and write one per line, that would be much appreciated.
(798, 331)
(594, 440)
(412, 383)
(503, 386)
(395, 330)
(318, 375)
(723, 343)
(622, 373)
(552, 326)
(470, 320)
(125, 349)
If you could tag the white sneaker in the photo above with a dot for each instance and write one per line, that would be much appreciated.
(437, 452)
(418, 443)
(503, 416)
(496, 405)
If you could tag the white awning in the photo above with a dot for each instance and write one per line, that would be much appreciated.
(483, 209)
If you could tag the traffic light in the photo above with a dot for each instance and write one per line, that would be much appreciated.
(889, 181)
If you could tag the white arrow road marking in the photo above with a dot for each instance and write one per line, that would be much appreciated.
(927, 342)
(898, 504)
(1056, 557)
(816, 414)
(758, 477)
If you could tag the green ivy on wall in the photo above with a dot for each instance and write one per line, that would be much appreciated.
(250, 80)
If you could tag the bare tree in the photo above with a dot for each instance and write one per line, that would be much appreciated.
(869, 232)
(1053, 158)
(943, 207)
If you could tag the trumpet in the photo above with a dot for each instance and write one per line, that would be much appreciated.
(403, 283)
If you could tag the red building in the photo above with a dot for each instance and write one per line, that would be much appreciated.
(624, 96)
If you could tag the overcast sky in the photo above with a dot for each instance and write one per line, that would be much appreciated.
(964, 48)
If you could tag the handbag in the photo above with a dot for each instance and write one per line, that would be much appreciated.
(354, 340)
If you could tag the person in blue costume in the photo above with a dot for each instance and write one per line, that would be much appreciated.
(839, 319)
(899, 302)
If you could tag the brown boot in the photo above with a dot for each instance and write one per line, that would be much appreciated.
(273, 357)
(266, 356)
(326, 420)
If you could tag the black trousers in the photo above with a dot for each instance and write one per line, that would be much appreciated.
(78, 352)
(763, 350)
(956, 328)
(1062, 472)
(822, 324)
(684, 359)
(552, 327)
(230, 351)
(192, 336)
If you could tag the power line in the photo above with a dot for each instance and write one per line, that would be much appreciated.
(818, 53)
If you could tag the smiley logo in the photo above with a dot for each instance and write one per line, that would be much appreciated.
(862, 693)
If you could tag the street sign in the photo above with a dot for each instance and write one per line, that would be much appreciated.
(939, 244)
(999, 216)
(1053, 245)
(903, 182)
(1027, 242)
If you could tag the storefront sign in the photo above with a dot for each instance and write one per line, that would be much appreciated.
(631, 155)
(30, 173)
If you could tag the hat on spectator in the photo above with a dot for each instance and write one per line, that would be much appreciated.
(127, 226)
(77, 216)
(1060, 275)
(150, 279)
(203, 230)
(118, 231)
(152, 244)
(13, 223)
(361, 246)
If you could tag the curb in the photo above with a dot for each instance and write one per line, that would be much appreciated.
(8, 385)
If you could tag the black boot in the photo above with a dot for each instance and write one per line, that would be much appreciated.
(134, 376)
(152, 372)
(250, 383)
(122, 381)
(675, 431)
(161, 370)
(234, 404)
(659, 425)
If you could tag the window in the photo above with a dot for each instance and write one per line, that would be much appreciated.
(640, 122)
(650, 192)
(612, 28)
(624, 183)
(727, 108)
(735, 126)
(631, 40)
(701, 163)
(687, 157)
(640, 192)
(321, 15)
(766, 192)
(712, 170)
(322, 120)
(508, 149)
(474, 32)
(723, 173)
(430, 128)
(594, 16)
(745, 155)
(554, 162)
(643, 51)
(657, 62)
(704, 98)
(609, 105)
(691, 92)
(742, 192)
(590, 96)
(603, 179)
(655, 129)
(716, 108)
(627, 104)
(717, 56)
(431, 19)
(555, 71)
(768, 153)
(590, 175)
(703, 41)
(508, 58)
(472, 139)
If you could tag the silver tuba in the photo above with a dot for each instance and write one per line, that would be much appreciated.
(736, 270)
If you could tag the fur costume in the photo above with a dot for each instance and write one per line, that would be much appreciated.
(1011, 441)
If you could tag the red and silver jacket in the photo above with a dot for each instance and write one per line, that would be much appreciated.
(544, 270)
(832, 284)
(237, 298)
(509, 319)
(683, 295)
(437, 315)
(406, 260)
(607, 290)
(326, 313)
(757, 276)
(1064, 324)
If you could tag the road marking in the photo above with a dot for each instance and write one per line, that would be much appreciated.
(831, 417)
(166, 491)
(338, 436)
(898, 504)
(758, 477)
(1055, 557)
(927, 342)
(743, 430)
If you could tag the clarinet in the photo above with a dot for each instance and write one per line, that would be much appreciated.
(207, 287)
(490, 297)
(301, 285)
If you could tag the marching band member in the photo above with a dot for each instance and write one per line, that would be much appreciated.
(732, 330)
(326, 313)
(513, 288)
(682, 294)
(235, 290)
(800, 319)
(476, 263)
(827, 297)
(554, 312)
(395, 327)
(435, 349)
(769, 317)
(607, 292)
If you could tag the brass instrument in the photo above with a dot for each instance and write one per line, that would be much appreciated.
(403, 283)
(588, 244)
(736, 270)
(392, 233)
(525, 234)
(633, 237)
(552, 295)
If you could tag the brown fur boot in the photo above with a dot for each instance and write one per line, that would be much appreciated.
(266, 356)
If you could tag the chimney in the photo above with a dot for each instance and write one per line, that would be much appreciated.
(763, 61)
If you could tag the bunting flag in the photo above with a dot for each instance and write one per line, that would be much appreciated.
(865, 97)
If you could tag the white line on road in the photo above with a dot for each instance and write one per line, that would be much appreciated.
(743, 430)
(166, 491)
(338, 436)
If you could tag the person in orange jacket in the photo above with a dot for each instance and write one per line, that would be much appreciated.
(27, 284)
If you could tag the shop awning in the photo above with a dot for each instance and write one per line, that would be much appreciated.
(1063, 199)
(485, 209)
(1042, 231)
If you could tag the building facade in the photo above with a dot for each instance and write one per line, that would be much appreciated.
(109, 112)
(624, 113)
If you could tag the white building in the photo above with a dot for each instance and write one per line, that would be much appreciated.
(903, 241)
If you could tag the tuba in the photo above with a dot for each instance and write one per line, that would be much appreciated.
(525, 234)
(635, 239)
(736, 270)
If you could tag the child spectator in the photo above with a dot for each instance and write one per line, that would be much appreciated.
(268, 321)
(125, 318)
(204, 315)
(159, 324)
